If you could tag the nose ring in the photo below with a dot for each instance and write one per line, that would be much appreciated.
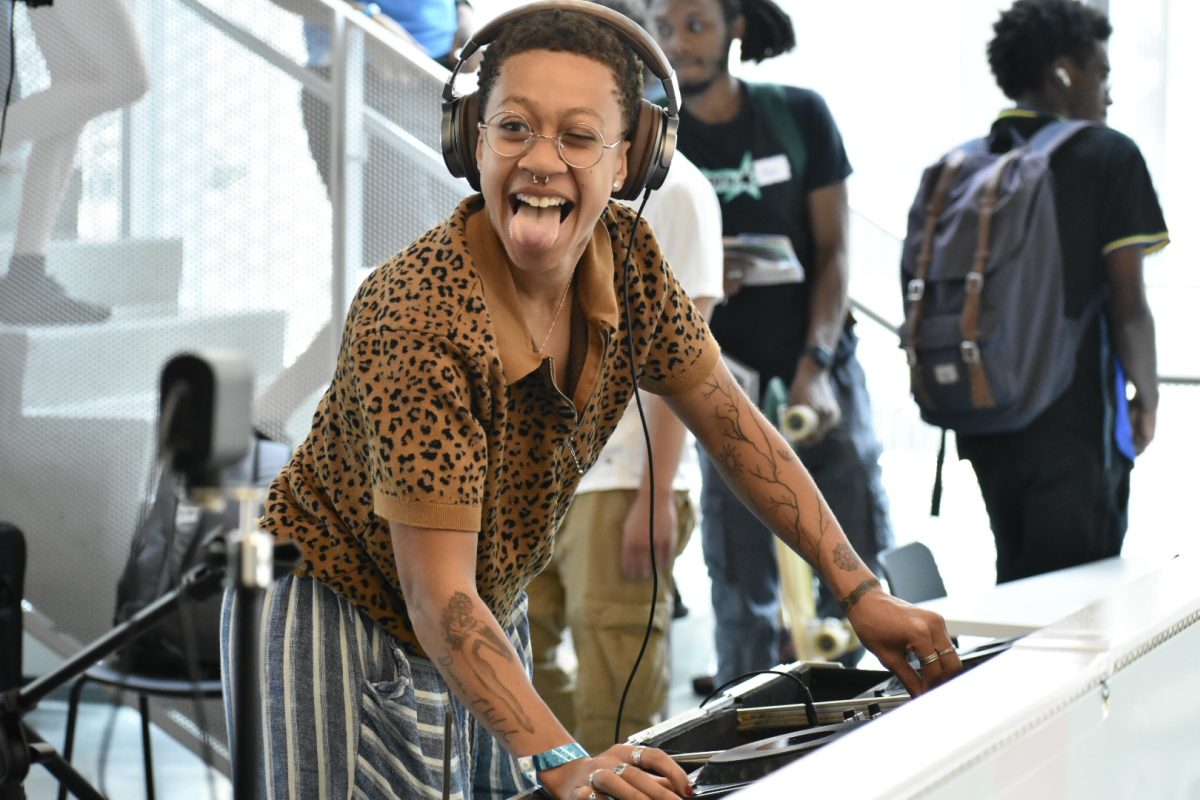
(533, 177)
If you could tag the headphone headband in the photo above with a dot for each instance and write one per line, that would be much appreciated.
(651, 142)
(641, 42)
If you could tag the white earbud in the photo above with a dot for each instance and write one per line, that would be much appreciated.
(1063, 76)
(616, 184)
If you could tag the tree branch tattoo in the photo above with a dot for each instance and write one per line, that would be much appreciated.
(741, 455)
(479, 644)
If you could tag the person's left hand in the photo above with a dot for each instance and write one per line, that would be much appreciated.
(635, 538)
(814, 388)
(891, 629)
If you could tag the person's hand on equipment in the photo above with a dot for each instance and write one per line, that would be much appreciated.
(623, 772)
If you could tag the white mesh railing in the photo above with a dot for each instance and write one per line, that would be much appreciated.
(194, 214)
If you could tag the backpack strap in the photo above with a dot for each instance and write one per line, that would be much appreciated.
(771, 101)
(981, 390)
(1054, 135)
(915, 291)
(1048, 139)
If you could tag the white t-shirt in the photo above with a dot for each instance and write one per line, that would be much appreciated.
(686, 218)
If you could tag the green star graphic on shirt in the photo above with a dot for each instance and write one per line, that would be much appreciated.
(730, 184)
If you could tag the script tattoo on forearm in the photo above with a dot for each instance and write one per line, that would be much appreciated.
(851, 600)
(742, 455)
(479, 645)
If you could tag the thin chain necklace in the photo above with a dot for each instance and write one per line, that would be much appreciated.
(561, 301)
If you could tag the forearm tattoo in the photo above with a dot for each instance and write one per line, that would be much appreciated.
(479, 647)
(851, 600)
(845, 558)
(755, 458)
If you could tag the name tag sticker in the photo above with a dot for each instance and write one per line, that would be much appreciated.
(773, 169)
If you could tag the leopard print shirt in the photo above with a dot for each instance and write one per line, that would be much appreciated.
(441, 414)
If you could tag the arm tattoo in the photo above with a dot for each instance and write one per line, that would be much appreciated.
(851, 600)
(845, 558)
(479, 646)
(766, 464)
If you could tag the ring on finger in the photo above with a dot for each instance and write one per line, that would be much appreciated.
(592, 780)
(636, 757)
(929, 659)
(591, 796)
(619, 768)
(946, 652)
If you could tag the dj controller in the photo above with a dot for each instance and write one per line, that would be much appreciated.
(769, 720)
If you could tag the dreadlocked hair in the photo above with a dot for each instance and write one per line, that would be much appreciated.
(1033, 33)
(768, 31)
(568, 32)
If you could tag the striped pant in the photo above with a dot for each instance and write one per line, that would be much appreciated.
(346, 711)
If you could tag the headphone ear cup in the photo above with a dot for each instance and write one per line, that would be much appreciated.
(460, 136)
(644, 150)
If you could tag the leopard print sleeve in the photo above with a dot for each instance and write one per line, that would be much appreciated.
(427, 452)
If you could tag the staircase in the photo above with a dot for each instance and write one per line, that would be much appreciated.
(78, 407)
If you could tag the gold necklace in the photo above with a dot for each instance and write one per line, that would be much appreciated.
(561, 301)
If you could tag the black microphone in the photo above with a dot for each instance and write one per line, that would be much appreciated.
(204, 415)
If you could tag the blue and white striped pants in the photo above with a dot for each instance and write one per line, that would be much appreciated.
(349, 712)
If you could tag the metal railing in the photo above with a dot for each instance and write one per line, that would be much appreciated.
(351, 121)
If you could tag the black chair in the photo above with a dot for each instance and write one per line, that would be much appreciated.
(145, 687)
(912, 573)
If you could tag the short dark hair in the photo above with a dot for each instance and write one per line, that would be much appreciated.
(568, 32)
(769, 30)
(1033, 33)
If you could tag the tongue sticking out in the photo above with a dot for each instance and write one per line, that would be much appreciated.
(535, 228)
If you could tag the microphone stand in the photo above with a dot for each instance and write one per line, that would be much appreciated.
(21, 746)
(254, 561)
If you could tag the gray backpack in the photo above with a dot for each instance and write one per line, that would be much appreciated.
(986, 332)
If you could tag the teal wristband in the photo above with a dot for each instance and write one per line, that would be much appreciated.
(563, 754)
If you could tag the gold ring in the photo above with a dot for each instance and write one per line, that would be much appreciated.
(636, 757)
(619, 768)
(929, 659)
(946, 652)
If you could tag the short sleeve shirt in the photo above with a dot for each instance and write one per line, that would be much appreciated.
(442, 415)
(761, 190)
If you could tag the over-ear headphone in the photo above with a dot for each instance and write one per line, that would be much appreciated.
(652, 141)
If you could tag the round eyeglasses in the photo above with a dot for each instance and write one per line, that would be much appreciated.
(508, 134)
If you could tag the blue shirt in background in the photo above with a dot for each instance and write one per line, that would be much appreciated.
(432, 23)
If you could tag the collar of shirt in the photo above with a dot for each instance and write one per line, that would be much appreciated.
(594, 290)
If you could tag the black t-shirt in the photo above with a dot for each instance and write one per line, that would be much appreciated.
(761, 191)
(1105, 200)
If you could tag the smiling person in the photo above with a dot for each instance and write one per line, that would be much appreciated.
(481, 371)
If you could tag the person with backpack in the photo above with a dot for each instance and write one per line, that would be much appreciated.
(775, 157)
(1026, 315)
